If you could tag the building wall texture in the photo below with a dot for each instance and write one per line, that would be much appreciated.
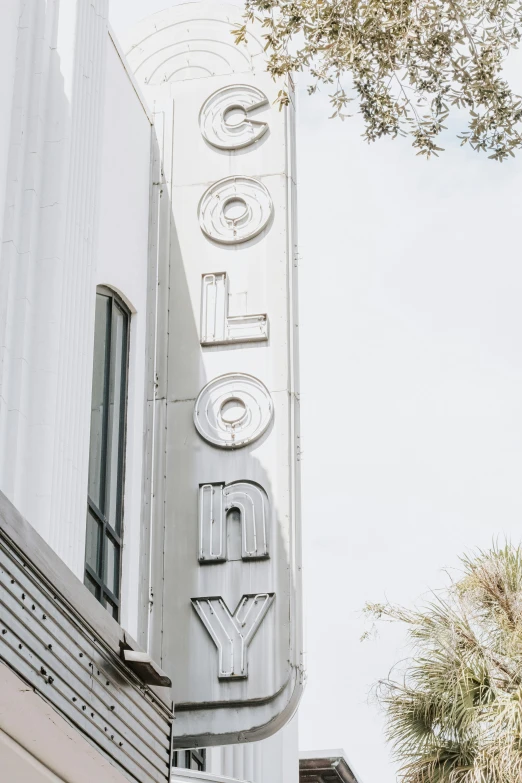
(76, 215)
(50, 226)
(81, 178)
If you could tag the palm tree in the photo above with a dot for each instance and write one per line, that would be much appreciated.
(455, 713)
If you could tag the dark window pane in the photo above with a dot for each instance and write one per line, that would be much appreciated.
(99, 401)
(190, 759)
(111, 608)
(116, 407)
(93, 543)
(112, 566)
(93, 587)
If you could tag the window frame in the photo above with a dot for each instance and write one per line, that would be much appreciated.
(107, 531)
(199, 755)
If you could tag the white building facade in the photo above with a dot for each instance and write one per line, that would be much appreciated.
(149, 401)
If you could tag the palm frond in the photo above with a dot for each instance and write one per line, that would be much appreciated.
(455, 714)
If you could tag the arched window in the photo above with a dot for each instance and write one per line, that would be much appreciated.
(107, 450)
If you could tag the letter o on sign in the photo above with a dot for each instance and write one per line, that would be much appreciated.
(234, 210)
(233, 410)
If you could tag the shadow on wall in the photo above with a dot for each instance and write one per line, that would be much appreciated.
(184, 461)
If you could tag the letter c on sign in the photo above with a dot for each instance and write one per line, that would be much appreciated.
(225, 119)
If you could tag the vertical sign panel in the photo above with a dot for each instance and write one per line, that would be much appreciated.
(225, 616)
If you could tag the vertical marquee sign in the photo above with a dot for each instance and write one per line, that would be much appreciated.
(226, 620)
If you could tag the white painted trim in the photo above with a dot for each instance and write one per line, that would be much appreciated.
(132, 79)
(7, 742)
(48, 738)
(184, 775)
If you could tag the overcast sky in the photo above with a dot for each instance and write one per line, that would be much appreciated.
(411, 375)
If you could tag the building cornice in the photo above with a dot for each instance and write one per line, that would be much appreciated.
(325, 769)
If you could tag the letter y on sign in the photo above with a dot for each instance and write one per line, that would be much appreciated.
(232, 633)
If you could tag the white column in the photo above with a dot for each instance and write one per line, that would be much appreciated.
(274, 760)
(47, 261)
(74, 379)
(9, 13)
(30, 245)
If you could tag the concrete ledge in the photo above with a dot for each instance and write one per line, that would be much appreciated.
(189, 776)
(325, 766)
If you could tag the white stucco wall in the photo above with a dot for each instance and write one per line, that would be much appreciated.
(46, 264)
(274, 760)
(74, 176)
(122, 265)
(9, 12)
